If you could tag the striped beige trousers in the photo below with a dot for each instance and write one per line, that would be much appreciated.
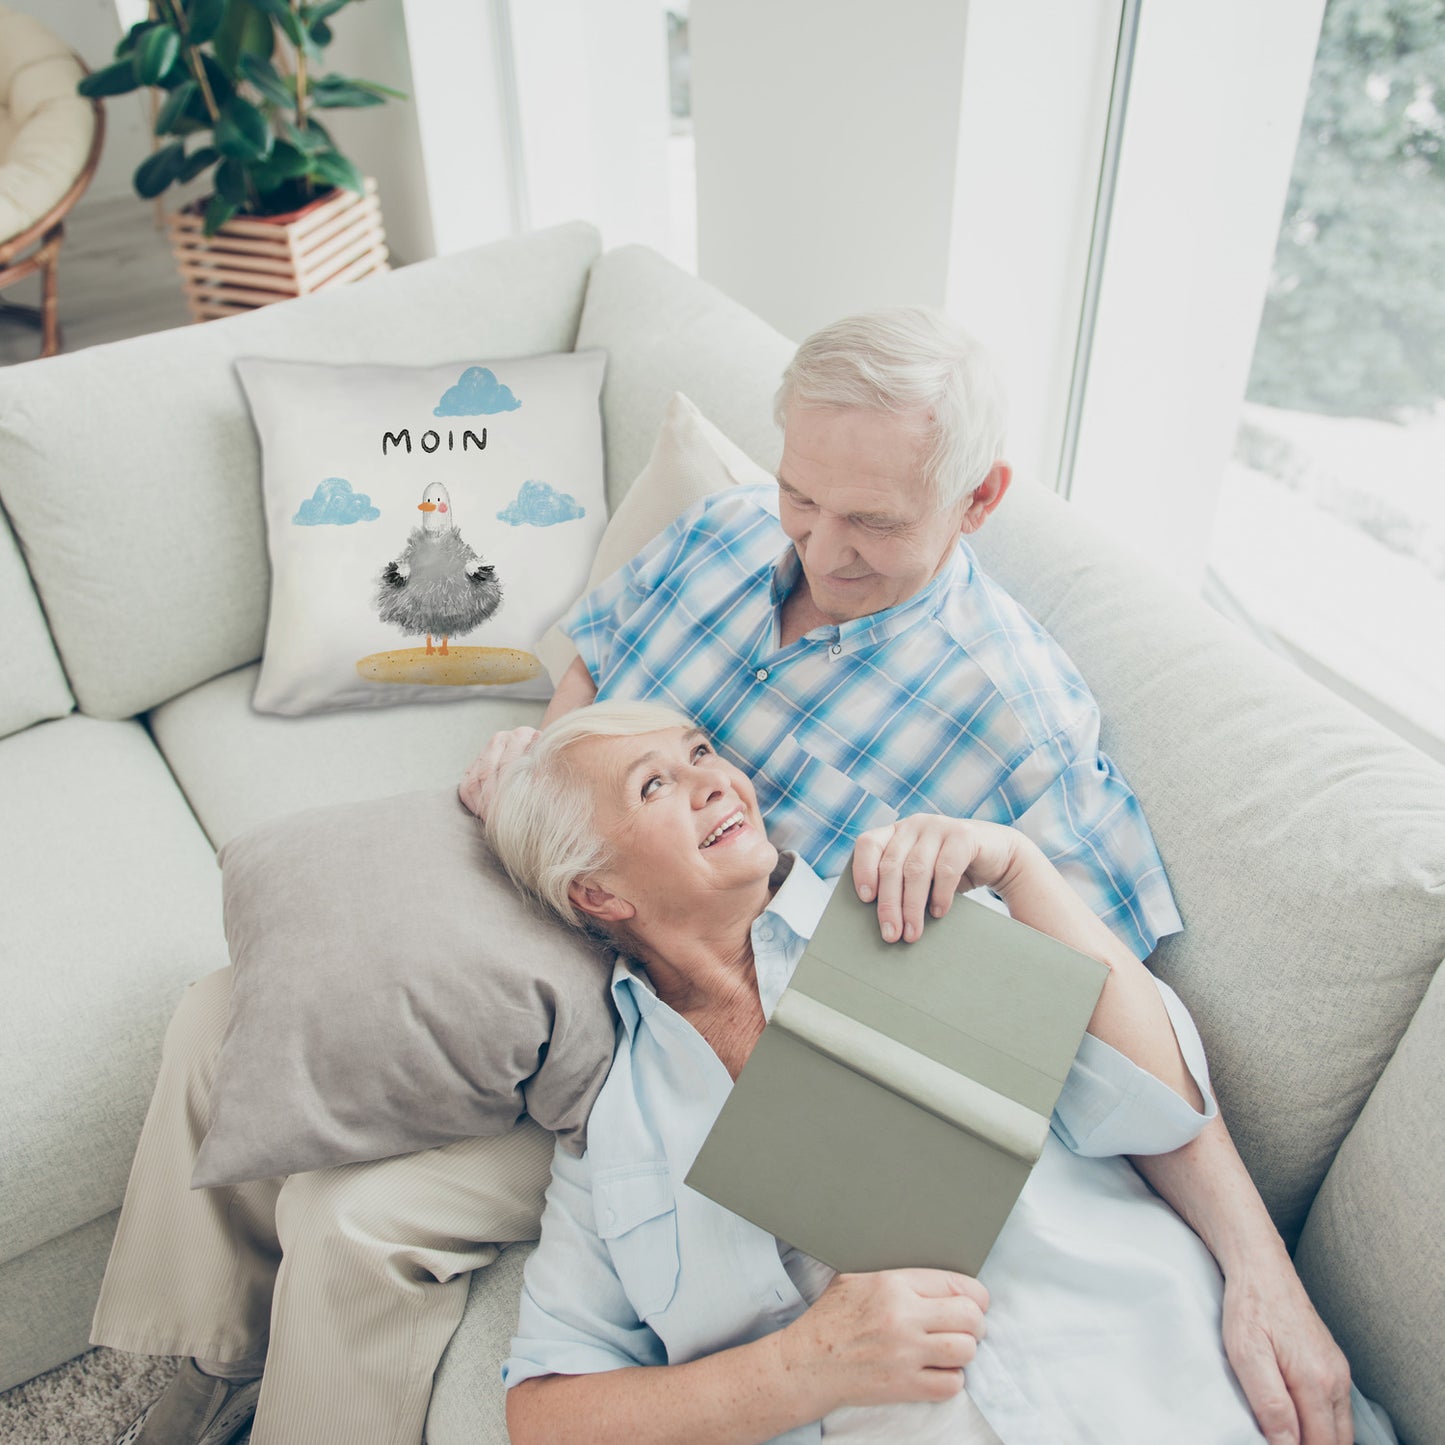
(349, 1281)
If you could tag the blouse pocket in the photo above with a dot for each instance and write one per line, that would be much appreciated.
(637, 1217)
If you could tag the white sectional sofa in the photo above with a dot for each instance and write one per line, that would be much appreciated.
(1306, 846)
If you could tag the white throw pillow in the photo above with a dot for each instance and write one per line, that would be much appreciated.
(426, 524)
(691, 459)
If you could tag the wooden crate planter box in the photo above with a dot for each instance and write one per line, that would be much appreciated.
(255, 260)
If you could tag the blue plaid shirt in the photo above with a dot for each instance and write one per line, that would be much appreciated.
(954, 702)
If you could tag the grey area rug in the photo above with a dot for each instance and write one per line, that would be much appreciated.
(88, 1401)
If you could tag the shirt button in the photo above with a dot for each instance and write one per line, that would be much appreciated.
(836, 648)
(765, 932)
(761, 674)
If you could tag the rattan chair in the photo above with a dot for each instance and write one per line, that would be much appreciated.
(50, 139)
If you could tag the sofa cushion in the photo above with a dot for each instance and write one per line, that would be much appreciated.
(1372, 1254)
(468, 1404)
(239, 768)
(1302, 841)
(34, 684)
(111, 905)
(664, 331)
(140, 512)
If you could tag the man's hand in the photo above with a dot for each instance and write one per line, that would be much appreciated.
(475, 789)
(916, 865)
(1295, 1377)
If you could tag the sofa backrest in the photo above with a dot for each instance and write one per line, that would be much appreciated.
(131, 472)
(1302, 840)
(32, 682)
(666, 331)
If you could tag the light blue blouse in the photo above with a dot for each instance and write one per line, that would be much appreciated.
(1105, 1316)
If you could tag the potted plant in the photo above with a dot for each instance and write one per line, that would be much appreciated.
(240, 84)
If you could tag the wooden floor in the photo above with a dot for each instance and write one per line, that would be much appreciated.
(117, 279)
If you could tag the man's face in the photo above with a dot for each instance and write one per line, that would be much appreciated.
(854, 503)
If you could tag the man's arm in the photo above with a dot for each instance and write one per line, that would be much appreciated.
(1295, 1377)
(575, 690)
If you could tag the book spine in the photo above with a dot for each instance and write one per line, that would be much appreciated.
(953, 1097)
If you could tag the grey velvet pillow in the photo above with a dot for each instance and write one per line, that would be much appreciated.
(393, 992)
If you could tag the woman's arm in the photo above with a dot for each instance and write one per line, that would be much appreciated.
(903, 1334)
(916, 866)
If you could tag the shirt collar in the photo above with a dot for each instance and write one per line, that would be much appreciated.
(779, 933)
(879, 627)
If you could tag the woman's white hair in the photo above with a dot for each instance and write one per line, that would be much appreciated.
(542, 820)
(908, 360)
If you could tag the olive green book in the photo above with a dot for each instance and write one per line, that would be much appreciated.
(900, 1094)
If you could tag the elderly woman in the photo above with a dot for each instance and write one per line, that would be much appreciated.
(654, 1314)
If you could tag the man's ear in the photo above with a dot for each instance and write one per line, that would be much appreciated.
(596, 902)
(986, 496)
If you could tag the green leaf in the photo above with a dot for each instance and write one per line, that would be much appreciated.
(222, 85)
(333, 168)
(244, 31)
(231, 182)
(242, 132)
(312, 140)
(218, 212)
(157, 52)
(285, 17)
(197, 161)
(117, 79)
(378, 89)
(203, 19)
(131, 38)
(157, 171)
(278, 89)
(320, 34)
(324, 11)
(333, 92)
(287, 163)
(174, 109)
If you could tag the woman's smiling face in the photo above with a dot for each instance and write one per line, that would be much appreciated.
(681, 823)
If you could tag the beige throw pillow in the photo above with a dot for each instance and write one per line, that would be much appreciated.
(393, 992)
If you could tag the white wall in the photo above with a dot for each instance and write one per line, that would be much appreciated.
(827, 145)
(385, 140)
(593, 115)
(1036, 83)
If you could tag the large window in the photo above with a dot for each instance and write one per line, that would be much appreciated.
(1330, 528)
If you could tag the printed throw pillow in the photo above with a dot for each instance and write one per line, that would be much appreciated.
(426, 525)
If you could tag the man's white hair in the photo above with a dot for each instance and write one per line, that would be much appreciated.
(542, 821)
(908, 360)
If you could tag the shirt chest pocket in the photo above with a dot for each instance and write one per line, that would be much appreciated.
(819, 809)
(637, 1218)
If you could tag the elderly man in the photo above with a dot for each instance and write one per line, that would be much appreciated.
(838, 640)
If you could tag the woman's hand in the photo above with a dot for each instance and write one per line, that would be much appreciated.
(900, 1334)
(918, 864)
(475, 789)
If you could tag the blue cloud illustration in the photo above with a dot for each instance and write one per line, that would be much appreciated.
(477, 393)
(538, 505)
(334, 504)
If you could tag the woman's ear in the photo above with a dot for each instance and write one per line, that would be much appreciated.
(596, 902)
